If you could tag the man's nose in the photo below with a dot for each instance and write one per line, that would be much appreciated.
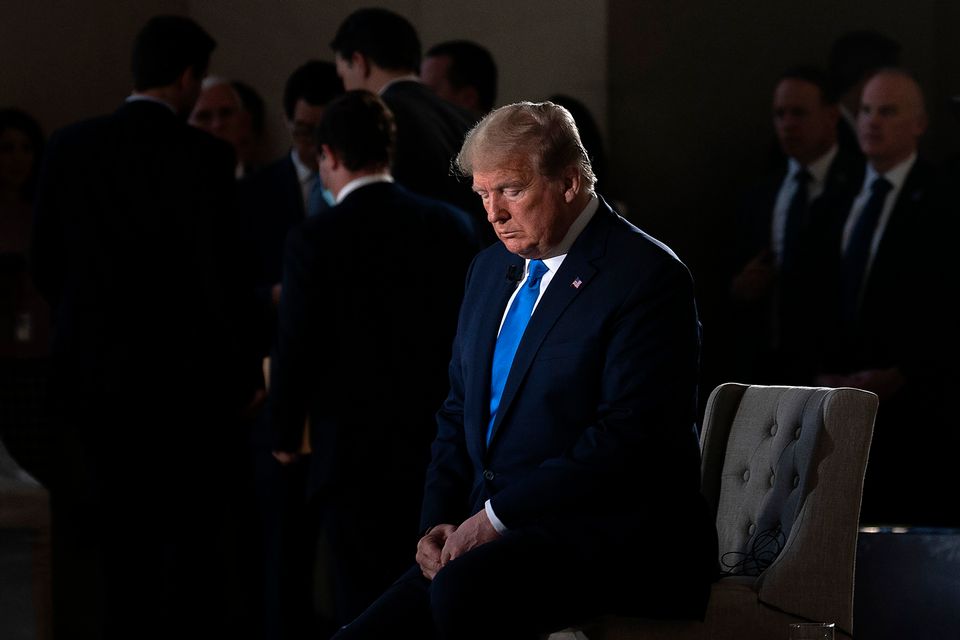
(495, 212)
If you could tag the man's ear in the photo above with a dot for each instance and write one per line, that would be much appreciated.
(325, 151)
(361, 62)
(572, 183)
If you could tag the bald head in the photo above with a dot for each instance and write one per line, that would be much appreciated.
(892, 118)
(219, 111)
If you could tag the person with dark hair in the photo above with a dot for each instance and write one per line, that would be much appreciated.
(284, 192)
(272, 201)
(370, 296)
(784, 227)
(134, 248)
(572, 395)
(378, 50)
(853, 58)
(163, 51)
(461, 72)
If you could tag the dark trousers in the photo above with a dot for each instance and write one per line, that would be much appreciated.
(519, 586)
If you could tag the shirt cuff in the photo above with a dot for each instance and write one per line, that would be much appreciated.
(494, 520)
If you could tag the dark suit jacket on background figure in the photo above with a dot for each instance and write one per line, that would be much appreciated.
(430, 131)
(779, 335)
(270, 204)
(133, 247)
(904, 322)
(594, 444)
(371, 291)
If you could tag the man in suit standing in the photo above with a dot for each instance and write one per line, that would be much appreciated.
(461, 72)
(784, 229)
(566, 461)
(370, 296)
(892, 277)
(133, 249)
(379, 51)
(280, 195)
(272, 201)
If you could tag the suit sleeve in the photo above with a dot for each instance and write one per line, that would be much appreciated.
(641, 448)
(290, 370)
(449, 475)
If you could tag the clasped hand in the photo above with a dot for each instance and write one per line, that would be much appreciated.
(445, 542)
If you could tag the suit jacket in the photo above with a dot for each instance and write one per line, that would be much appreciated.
(370, 296)
(134, 247)
(430, 132)
(781, 334)
(903, 294)
(270, 204)
(905, 321)
(595, 440)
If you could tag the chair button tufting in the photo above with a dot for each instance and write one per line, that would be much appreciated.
(773, 429)
(796, 434)
(751, 529)
(772, 479)
(796, 481)
(746, 475)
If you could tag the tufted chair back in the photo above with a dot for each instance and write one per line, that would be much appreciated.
(767, 448)
(783, 470)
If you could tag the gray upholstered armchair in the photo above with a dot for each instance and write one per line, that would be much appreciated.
(783, 467)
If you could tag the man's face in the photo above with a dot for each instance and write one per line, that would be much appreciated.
(434, 72)
(351, 71)
(529, 212)
(305, 119)
(806, 127)
(218, 112)
(891, 119)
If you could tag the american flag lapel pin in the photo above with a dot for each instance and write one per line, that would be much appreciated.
(576, 283)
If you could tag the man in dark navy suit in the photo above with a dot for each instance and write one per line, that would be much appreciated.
(784, 231)
(280, 195)
(564, 480)
(379, 50)
(134, 248)
(891, 328)
(371, 290)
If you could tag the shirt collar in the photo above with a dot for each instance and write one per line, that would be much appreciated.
(819, 168)
(897, 175)
(579, 224)
(304, 173)
(140, 97)
(362, 181)
(412, 77)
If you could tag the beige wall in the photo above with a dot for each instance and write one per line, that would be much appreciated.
(65, 61)
(262, 42)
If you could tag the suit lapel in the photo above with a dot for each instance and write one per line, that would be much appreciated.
(574, 276)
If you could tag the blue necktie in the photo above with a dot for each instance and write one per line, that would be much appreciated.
(857, 255)
(510, 333)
